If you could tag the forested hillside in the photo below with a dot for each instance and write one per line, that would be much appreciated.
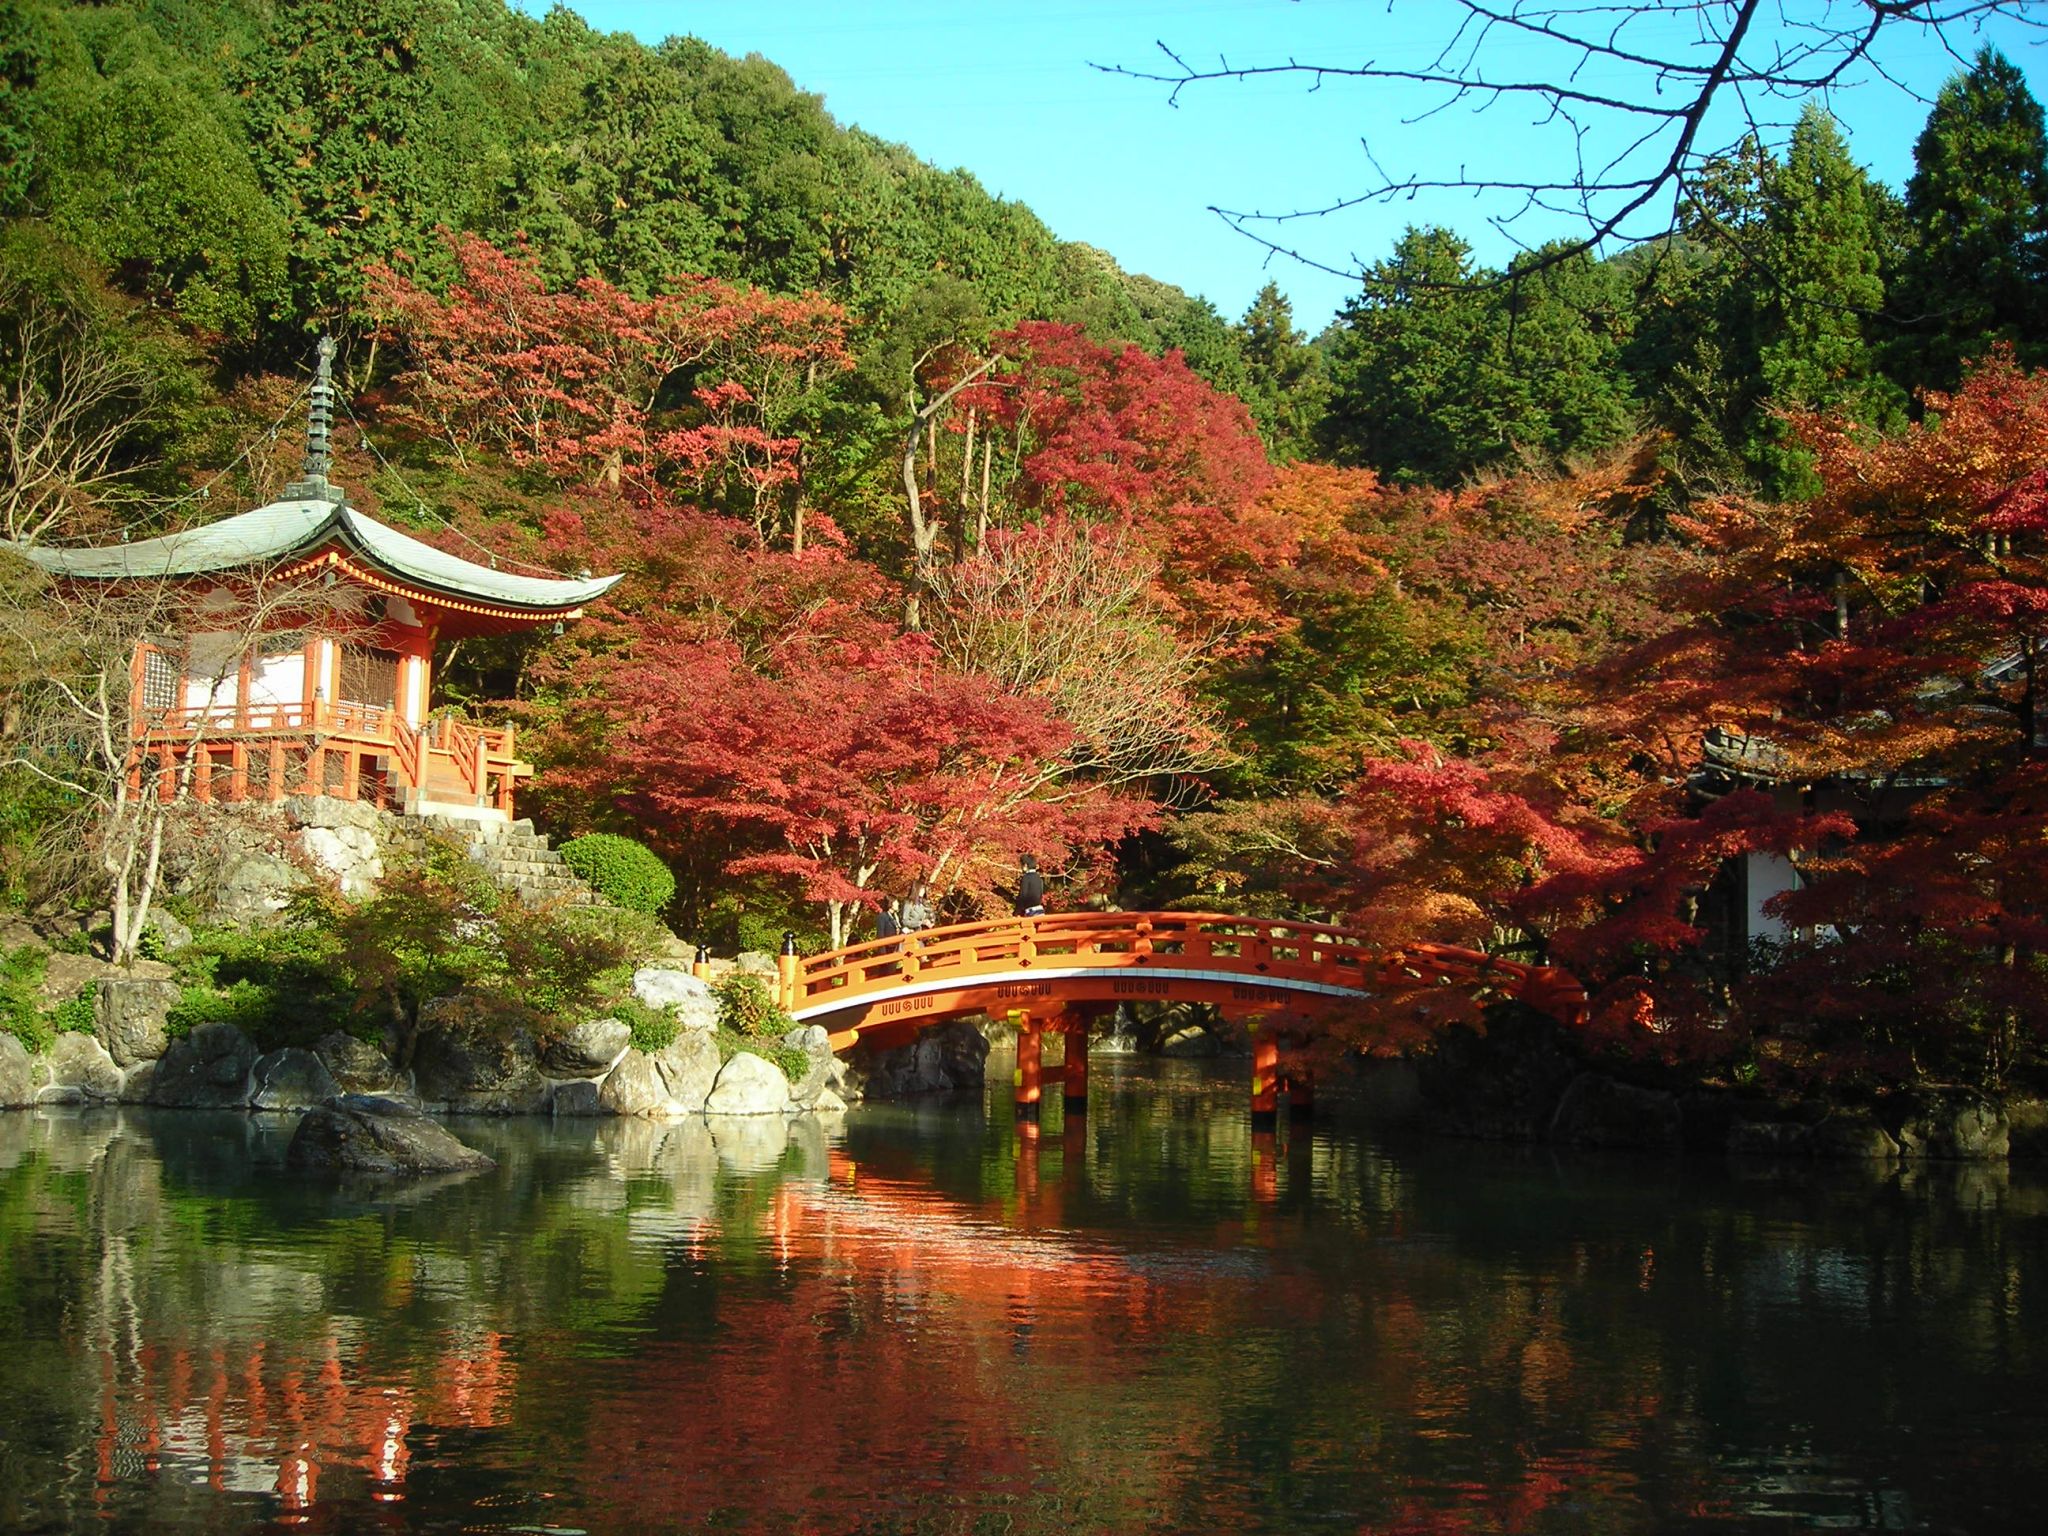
(947, 541)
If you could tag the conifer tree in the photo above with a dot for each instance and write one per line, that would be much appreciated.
(1978, 206)
(1285, 389)
(1819, 287)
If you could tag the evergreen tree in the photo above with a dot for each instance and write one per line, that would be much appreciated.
(1414, 394)
(1817, 290)
(1442, 368)
(336, 107)
(1284, 384)
(1977, 205)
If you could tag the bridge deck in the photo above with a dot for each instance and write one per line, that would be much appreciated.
(888, 989)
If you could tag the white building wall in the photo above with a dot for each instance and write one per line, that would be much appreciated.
(1766, 875)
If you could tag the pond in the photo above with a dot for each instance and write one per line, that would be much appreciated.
(914, 1321)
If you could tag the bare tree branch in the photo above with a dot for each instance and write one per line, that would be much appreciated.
(1675, 66)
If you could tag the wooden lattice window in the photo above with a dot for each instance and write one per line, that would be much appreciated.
(161, 677)
(369, 677)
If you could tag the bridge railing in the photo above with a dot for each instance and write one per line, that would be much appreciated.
(1207, 942)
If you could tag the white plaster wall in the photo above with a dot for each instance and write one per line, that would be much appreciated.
(1768, 875)
(213, 666)
(279, 679)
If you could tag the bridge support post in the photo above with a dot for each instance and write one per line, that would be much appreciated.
(1265, 1078)
(1301, 1096)
(1029, 1075)
(1074, 1077)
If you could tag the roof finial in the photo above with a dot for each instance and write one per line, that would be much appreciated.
(312, 484)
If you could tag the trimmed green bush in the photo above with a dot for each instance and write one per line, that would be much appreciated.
(625, 873)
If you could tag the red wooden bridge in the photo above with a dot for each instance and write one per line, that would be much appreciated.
(1054, 975)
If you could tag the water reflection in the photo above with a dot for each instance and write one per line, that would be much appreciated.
(917, 1320)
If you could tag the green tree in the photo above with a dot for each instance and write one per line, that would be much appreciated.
(1816, 290)
(1285, 387)
(1442, 368)
(1977, 205)
(337, 106)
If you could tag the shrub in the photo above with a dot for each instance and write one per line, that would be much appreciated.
(733, 924)
(654, 1029)
(76, 1015)
(249, 1006)
(625, 873)
(21, 1000)
(748, 1009)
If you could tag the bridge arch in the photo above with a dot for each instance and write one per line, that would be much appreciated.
(1055, 973)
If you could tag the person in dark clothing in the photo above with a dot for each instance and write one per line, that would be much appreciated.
(1030, 889)
(887, 924)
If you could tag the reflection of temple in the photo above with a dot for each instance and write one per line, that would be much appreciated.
(239, 1416)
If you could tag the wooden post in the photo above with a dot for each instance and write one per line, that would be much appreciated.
(202, 774)
(1026, 1080)
(1265, 1076)
(1301, 1094)
(275, 791)
(785, 971)
(238, 771)
(1074, 1078)
(351, 773)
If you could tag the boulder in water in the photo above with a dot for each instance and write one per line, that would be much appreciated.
(588, 1049)
(748, 1085)
(290, 1079)
(19, 1077)
(207, 1069)
(360, 1134)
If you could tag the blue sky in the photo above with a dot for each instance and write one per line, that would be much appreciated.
(1006, 90)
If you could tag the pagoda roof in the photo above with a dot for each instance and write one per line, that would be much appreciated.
(298, 527)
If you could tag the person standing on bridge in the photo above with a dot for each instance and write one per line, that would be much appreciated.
(916, 912)
(887, 924)
(1030, 888)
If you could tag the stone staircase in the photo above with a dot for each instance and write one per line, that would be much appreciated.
(517, 857)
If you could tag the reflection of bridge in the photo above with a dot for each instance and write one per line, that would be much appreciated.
(1054, 975)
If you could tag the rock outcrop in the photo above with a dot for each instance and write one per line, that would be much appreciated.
(635, 1088)
(129, 1014)
(946, 1058)
(207, 1069)
(1597, 1111)
(1960, 1125)
(18, 1076)
(252, 887)
(587, 1050)
(748, 1085)
(471, 1065)
(574, 1099)
(359, 1134)
(340, 838)
(690, 999)
(81, 1072)
(689, 1066)
(290, 1079)
(359, 1067)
